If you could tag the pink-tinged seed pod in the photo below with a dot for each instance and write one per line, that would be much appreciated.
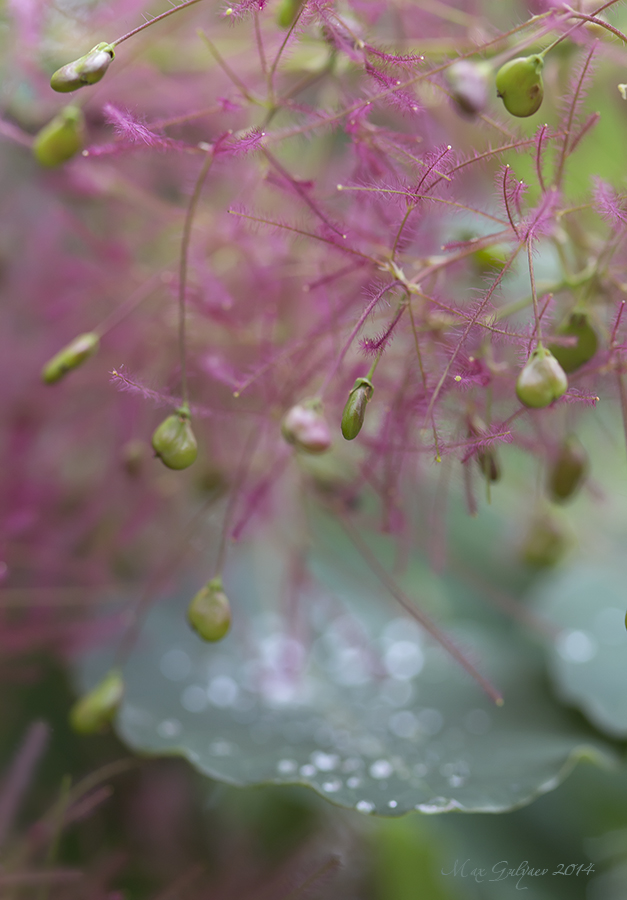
(88, 69)
(93, 712)
(542, 380)
(469, 85)
(209, 612)
(305, 427)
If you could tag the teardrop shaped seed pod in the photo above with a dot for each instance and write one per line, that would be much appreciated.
(585, 342)
(546, 542)
(355, 409)
(568, 470)
(305, 427)
(542, 380)
(174, 441)
(469, 85)
(519, 85)
(72, 356)
(88, 69)
(94, 711)
(61, 139)
(209, 612)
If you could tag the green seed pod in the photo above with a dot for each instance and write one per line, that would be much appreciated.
(542, 380)
(89, 69)
(519, 85)
(355, 409)
(546, 542)
(61, 139)
(305, 427)
(582, 349)
(494, 257)
(287, 12)
(174, 442)
(94, 711)
(209, 612)
(71, 357)
(469, 85)
(568, 471)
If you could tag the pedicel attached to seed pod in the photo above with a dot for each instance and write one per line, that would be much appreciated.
(568, 470)
(519, 85)
(71, 357)
(305, 427)
(487, 457)
(469, 85)
(94, 711)
(209, 612)
(174, 441)
(61, 139)
(355, 409)
(546, 542)
(542, 380)
(583, 345)
(88, 69)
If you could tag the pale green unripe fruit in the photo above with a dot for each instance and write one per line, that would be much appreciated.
(174, 441)
(355, 409)
(95, 710)
(88, 69)
(519, 85)
(72, 356)
(542, 380)
(61, 139)
(209, 612)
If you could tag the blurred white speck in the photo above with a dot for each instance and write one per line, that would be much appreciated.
(576, 646)
(609, 626)
(353, 782)
(308, 771)
(169, 728)
(392, 804)
(364, 806)
(286, 766)
(403, 724)
(382, 768)
(194, 698)
(222, 691)
(477, 721)
(430, 721)
(175, 664)
(404, 660)
(325, 762)
(332, 786)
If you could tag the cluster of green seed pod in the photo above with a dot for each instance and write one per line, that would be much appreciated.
(174, 441)
(61, 139)
(519, 85)
(542, 380)
(209, 612)
(355, 409)
(94, 711)
(70, 357)
(88, 69)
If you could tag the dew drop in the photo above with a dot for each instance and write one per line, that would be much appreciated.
(325, 762)
(353, 782)
(308, 771)
(332, 786)
(382, 768)
(364, 806)
(576, 646)
(392, 804)
(286, 766)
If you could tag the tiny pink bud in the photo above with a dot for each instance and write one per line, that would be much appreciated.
(305, 427)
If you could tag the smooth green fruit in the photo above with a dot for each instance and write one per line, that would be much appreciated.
(61, 139)
(469, 85)
(305, 427)
(174, 442)
(94, 711)
(542, 380)
(209, 612)
(287, 12)
(88, 69)
(583, 348)
(72, 356)
(355, 409)
(519, 85)
(546, 542)
(568, 471)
